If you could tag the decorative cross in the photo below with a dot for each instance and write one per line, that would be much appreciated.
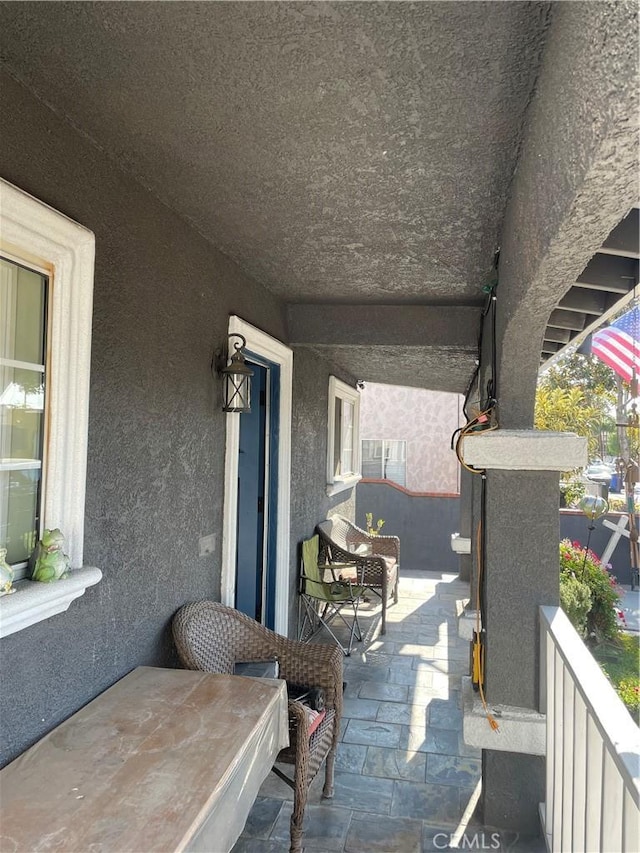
(618, 531)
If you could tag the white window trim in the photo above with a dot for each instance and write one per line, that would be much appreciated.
(269, 348)
(340, 390)
(35, 233)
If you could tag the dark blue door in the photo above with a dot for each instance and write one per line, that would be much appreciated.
(257, 492)
(251, 503)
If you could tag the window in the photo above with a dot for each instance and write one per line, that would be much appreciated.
(343, 446)
(46, 295)
(23, 326)
(385, 460)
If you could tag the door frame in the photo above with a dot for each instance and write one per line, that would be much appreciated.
(272, 350)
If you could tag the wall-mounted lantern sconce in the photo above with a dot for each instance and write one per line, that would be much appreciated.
(236, 378)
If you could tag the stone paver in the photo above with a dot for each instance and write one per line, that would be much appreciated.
(361, 709)
(351, 757)
(395, 764)
(453, 770)
(384, 834)
(325, 827)
(372, 733)
(404, 775)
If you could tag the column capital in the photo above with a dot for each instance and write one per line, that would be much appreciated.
(525, 450)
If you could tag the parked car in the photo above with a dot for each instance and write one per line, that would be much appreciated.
(599, 473)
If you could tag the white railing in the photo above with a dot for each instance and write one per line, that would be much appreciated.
(593, 748)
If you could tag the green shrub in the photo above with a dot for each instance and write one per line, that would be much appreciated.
(605, 594)
(620, 662)
(575, 600)
(629, 691)
(620, 505)
(572, 491)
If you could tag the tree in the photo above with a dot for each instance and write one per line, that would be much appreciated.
(584, 371)
(568, 410)
(578, 394)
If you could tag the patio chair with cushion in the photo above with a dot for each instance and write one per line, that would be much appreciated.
(377, 557)
(325, 590)
(212, 637)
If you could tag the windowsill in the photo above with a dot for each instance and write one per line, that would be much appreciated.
(343, 485)
(33, 602)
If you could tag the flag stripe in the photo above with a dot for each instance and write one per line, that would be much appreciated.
(627, 356)
(621, 356)
(613, 362)
(621, 339)
(613, 355)
(618, 345)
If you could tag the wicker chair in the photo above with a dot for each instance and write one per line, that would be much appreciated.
(212, 638)
(377, 557)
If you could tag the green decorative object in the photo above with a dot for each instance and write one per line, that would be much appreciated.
(593, 506)
(6, 574)
(52, 564)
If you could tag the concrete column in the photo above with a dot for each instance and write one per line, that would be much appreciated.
(521, 573)
(576, 178)
(522, 535)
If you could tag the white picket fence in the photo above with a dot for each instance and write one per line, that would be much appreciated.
(593, 748)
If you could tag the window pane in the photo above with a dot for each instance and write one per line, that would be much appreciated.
(395, 466)
(19, 492)
(336, 437)
(21, 413)
(346, 460)
(372, 458)
(395, 450)
(22, 308)
(22, 328)
(385, 460)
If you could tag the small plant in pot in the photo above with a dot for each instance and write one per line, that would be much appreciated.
(373, 529)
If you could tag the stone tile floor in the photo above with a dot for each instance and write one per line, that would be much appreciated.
(405, 782)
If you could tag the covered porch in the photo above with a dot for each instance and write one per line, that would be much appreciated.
(405, 780)
(422, 194)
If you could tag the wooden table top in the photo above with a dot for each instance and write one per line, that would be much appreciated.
(143, 765)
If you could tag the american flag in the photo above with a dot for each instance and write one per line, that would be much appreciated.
(618, 345)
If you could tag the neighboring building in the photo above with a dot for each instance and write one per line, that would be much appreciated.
(406, 437)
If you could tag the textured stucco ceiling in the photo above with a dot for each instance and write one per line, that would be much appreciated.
(337, 151)
(438, 369)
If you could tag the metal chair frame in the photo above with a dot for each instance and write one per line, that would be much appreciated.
(323, 600)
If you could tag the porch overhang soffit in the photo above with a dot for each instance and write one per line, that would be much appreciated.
(418, 345)
(356, 153)
(602, 290)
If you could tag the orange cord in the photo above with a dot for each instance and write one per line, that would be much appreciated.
(478, 657)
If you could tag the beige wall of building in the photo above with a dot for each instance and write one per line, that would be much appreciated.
(426, 421)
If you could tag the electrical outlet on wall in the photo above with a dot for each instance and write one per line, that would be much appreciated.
(207, 544)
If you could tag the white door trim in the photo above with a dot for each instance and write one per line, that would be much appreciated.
(272, 350)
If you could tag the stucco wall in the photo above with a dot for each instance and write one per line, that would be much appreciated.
(156, 433)
(425, 420)
(309, 501)
(424, 525)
